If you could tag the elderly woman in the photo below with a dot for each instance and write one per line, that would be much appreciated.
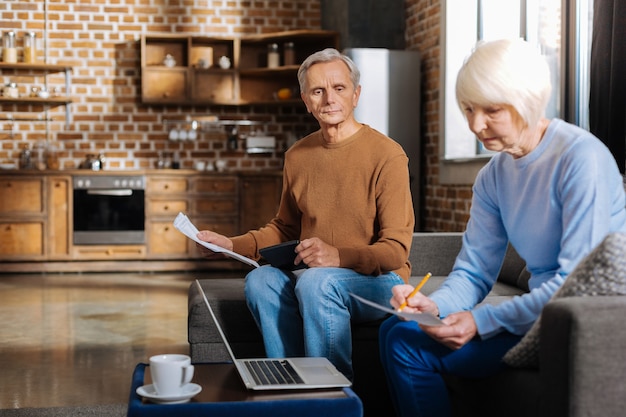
(553, 191)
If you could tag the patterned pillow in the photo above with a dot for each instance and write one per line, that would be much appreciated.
(602, 272)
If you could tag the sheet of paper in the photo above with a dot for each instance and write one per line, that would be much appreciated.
(186, 227)
(422, 318)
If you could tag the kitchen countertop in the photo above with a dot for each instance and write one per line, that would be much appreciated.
(175, 172)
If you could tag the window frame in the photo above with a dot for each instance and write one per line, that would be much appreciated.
(462, 170)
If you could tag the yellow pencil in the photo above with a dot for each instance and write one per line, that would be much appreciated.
(419, 286)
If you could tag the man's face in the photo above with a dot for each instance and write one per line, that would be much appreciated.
(330, 96)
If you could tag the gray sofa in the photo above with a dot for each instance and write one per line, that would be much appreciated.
(582, 356)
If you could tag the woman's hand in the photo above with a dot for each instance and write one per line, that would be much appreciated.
(215, 239)
(460, 329)
(418, 303)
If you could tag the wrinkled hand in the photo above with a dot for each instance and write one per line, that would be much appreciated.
(316, 253)
(216, 239)
(460, 329)
(419, 303)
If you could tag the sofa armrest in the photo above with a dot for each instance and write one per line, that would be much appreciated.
(583, 357)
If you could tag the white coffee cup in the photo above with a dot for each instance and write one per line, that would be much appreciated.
(170, 373)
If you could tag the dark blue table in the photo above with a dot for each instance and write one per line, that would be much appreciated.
(223, 395)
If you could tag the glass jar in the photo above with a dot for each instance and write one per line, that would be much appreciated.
(30, 48)
(289, 55)
(273, 57)
(9, 52)
(52, 157)
(11, 91)
(26, 161)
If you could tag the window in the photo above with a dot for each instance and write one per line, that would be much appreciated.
(540, 22)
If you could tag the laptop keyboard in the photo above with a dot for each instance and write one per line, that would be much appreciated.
(273, 372)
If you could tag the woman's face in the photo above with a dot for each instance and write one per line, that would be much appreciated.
(499, 128)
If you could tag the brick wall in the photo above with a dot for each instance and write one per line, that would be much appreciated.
(445, 207)
(99, 39)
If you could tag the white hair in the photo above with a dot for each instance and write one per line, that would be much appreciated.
(327, 55)
(506, 71)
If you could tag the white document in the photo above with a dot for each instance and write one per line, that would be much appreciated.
(421, 318)
(184, 225)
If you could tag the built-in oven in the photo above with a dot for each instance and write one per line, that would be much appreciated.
(109, 210)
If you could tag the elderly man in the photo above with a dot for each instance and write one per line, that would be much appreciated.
(346, 198)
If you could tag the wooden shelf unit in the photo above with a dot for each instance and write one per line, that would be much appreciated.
(247, 81)
(47, 103)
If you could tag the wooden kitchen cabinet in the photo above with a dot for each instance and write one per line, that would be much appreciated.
(22, 217)
(186, 82)
(165, 240)
(260, 84)
(58, 218)
(36, 220)
(166, 196)
(34, 217)
(210, 201)
(247, 80)
(215, 204)
(259, 199)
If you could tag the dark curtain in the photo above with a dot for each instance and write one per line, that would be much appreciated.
(607, 96)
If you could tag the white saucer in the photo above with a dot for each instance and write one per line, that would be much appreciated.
(189, 391)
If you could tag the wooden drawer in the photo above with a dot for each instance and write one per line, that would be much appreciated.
(156, 207)
(164, 239)
(21, 196)
(167, 185)
(226, 185)
(21, 239)
(215, 206)
(110, 252)
(226, 227)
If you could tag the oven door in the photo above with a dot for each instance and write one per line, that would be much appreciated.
(109, 217)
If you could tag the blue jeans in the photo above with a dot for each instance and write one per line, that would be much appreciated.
(414, 364)
(309, 314)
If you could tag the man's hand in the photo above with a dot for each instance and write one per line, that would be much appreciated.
(216, 239)
(316, 253)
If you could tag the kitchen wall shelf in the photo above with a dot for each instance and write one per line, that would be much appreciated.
(219, 122)
(247, 80)
(49, 102)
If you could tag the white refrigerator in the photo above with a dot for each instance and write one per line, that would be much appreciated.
(390, 103)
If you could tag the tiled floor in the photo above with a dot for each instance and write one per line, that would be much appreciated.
(74, 339)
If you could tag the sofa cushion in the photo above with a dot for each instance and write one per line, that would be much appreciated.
(602, 272)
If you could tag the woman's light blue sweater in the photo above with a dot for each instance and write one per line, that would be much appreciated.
(554, 205)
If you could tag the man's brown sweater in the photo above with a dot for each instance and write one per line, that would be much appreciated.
(354, 195)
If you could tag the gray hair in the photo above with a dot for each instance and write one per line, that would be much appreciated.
(506, 71)
(327, 55)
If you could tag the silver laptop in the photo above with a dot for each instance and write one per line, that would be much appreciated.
(281, 373)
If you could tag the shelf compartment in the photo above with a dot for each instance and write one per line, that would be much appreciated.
(155, 49)
(201, 47)
(164, 85)
(214, 86)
